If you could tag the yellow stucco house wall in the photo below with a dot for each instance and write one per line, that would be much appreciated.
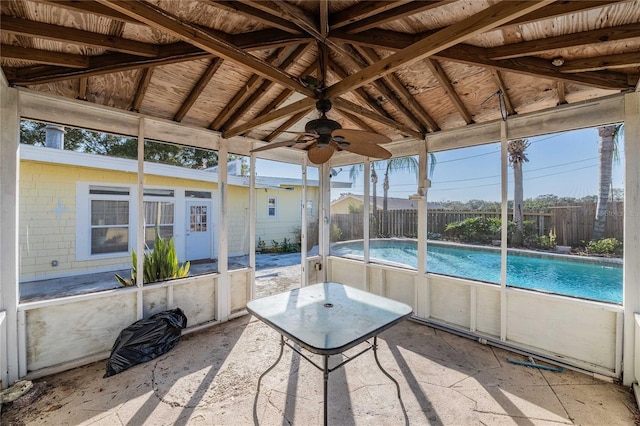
(56, 186)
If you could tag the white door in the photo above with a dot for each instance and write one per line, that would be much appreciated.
(198, 235)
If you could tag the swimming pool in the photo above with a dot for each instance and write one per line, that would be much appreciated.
(592, 279)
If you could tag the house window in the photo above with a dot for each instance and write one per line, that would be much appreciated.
(158, 215)
(109, 226)
(310, 208)
(271, 207)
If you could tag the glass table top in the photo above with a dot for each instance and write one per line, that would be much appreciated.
(328, 318)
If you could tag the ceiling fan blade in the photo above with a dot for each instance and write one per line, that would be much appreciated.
(367, 149)
(320, 154)
(359, 136)
(273, 145)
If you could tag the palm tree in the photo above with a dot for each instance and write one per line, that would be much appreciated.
(517, 156)
(394, 165)
(607, 152)
(354, 172)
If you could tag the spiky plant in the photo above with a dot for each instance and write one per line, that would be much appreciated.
(160, 264)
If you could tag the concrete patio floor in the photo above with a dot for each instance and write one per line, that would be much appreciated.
(211, 376)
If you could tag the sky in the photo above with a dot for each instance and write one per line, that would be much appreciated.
(563, 164)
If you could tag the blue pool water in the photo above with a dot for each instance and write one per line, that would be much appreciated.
(588, 280)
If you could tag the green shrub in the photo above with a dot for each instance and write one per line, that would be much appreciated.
(159, 264)
(261, 246)
(606, 246)
(336, 233)
(476, 230)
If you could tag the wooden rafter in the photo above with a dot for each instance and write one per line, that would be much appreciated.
(559, 9)
(562, 96)
(255, 14)
(161, 20)
(402, 11)
(440, 75)
(201, 84)
(497, 77)
(450, 36)
(360, 93)
(266, 85)
(605, 62)
(241, 94)
(535, 47)
(145, 79)
(92, 8)
(355, 120)
(293, 108)
(402, 92)
(27, 28)
(323, 13)
(346, 105)
(46, 57)
(479, 56)
(387, 92)
(363, 10)
(82, 88)
(287, 124)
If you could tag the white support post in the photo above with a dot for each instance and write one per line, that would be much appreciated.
(140, 234)
(325, 218)
(422, 297)
(223, 289)
(9, 192)
(366, 231)
(252, 226)
(503, 234)
(304, 278)
(631, 272)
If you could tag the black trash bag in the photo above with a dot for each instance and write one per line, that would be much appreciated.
(145, 340)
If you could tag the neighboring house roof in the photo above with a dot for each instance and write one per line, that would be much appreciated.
(392, 202)
(81, 159)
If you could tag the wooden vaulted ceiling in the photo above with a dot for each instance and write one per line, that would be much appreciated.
(255, 67)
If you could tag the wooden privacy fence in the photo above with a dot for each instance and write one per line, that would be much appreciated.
(571, 224)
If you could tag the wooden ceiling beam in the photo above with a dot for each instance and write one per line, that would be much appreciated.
(478, 23)
(360, 92)
(201, 84)
(82, 88)
(356, 120)
(287, 124)
(92, 8)
(562, 98)
(241, 94)
(559, 9)
(302, 104)
(286, 93)
(497, 77)
(387, 92)
(605, 62)
(535, 67)
(536, 47)
(323, 13)
(163, 21)
(402, 11)
(440, 75)
(23, 27)
(292, 58)
(46, 57)
(360, 11)
(398, 86)
(478, 56)
(145, 79)
(255, 14)
(267, 39)
(344, 104)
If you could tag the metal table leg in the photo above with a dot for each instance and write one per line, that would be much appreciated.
(275, 363)
(375, 355)
(326, 385)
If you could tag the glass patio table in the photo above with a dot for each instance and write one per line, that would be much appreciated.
(328, 319)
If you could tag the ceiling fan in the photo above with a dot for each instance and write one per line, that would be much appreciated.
(323, 136)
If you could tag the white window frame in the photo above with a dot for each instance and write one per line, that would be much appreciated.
(275, 206)
(83, 219)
